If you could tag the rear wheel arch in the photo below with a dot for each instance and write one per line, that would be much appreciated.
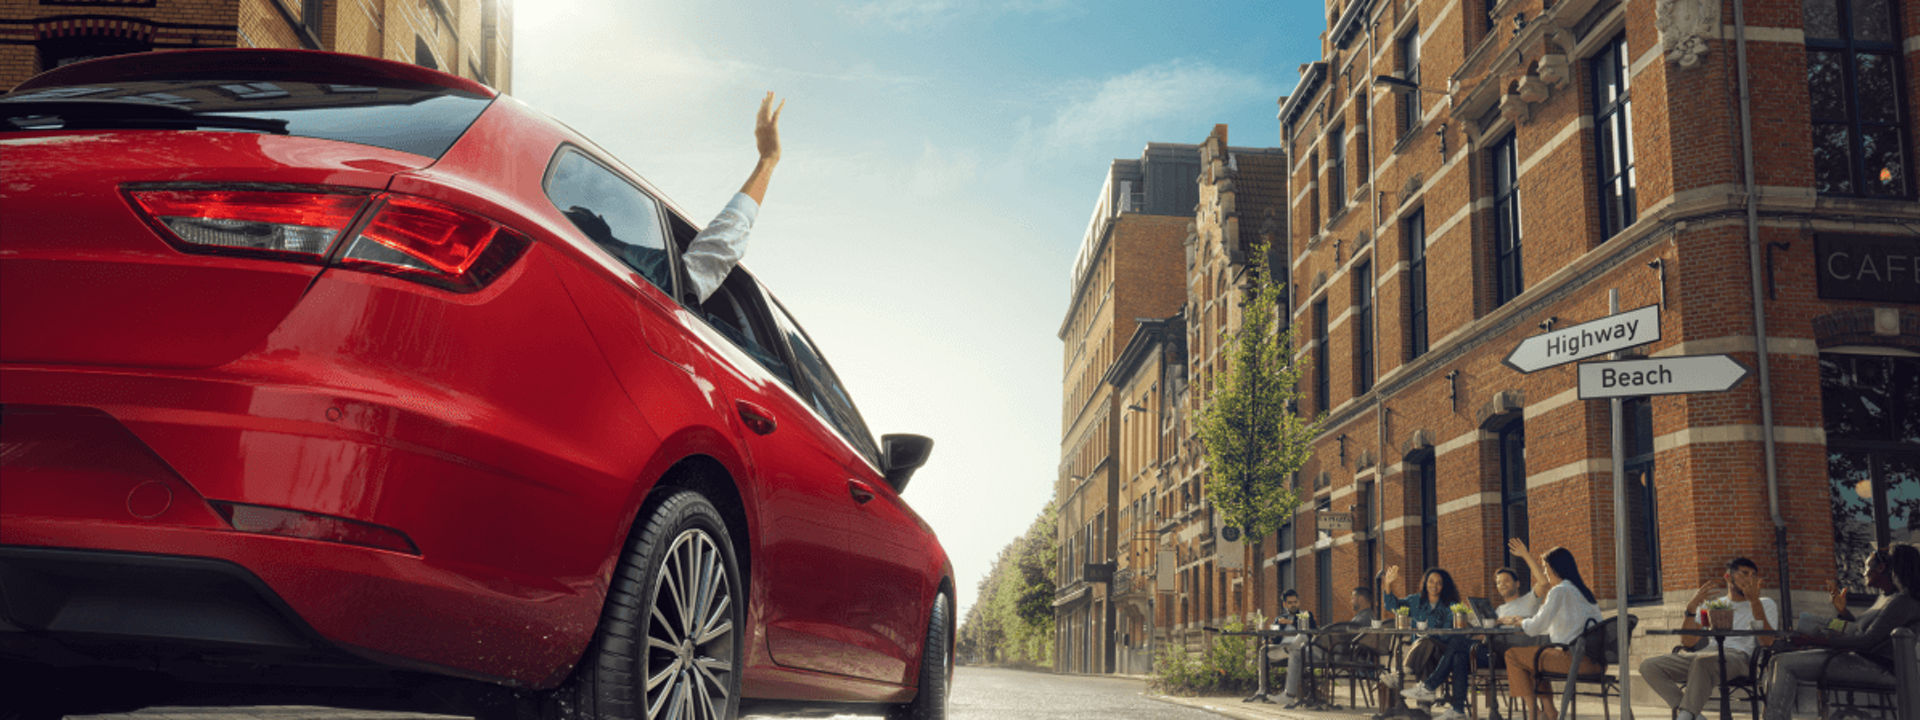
(709, 477)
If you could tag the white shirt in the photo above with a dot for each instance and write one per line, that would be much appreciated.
(719, 247)
(1524, 606)
(1743, 620)
(1563, 615)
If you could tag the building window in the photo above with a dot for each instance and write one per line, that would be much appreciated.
(1643, 526)
(1410, 105)
(1853, 78)
(310, 16)
(1513, 480)
(1323, 582)
(1506, 221)
(1363, 515)
(1362, 276)
(1428, 484)
(1337, 168)
(1613, 130)
(1313, 194)
(1871, 408)
(1283, 559)
(1414, 229)
(1321, 366)
(423, 55)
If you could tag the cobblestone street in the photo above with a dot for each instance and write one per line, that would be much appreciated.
(979, 694)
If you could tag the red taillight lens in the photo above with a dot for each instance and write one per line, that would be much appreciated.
(287, 225)
(313, 526)
(433, 243)
(408, 237)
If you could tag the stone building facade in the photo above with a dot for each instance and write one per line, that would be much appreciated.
(1127, 268)
(1469, 174)
(469, 38)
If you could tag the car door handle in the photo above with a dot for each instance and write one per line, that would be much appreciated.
(860, 491)
(757, 418)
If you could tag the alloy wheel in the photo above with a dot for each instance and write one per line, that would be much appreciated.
(689, 658)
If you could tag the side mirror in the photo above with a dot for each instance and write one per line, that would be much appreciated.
(902, 454)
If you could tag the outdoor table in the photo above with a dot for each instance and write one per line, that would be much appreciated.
(1312, 701)
(1399, 661)
(1720, 649)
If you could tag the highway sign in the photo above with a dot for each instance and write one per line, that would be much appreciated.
(1659, 376)
(1618, 331)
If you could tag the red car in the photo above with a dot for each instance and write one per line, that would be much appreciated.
(327, 379)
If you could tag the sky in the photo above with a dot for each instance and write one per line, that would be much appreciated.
(940, 162)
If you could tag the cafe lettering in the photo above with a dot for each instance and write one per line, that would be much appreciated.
(1860, 267)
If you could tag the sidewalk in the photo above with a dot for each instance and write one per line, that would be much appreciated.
(1233, 707)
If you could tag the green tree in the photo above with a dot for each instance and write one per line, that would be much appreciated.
(1255, 441)
(1011, 621)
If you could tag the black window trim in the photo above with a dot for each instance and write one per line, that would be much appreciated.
(800, 377)
(1506, 205)
(1614, 217)
(660, 218)
(1850, 48)
(1419, 339)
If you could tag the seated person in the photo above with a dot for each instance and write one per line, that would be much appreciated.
(1567, 608)
(1870, 639)
(1699, 670)
(1450, 656)
(1297, 652)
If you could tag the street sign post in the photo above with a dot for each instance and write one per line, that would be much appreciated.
(1659, 376)
(1593, 338)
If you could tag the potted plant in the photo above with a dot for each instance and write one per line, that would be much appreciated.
(1402, 617)
(1719, 615)
(1463, 616)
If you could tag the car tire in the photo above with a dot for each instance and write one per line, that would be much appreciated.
(936, 668)
(681, 545)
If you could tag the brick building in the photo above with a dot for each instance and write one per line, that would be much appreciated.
(1522, 159)
(1171, 572)
(1127, 268)
(469, 38)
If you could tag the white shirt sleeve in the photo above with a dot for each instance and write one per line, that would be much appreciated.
(719, 247)
(1542, 621)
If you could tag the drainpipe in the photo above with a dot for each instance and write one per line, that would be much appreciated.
(1760, 314)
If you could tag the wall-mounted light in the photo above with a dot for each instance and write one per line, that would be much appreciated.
(1135, 407)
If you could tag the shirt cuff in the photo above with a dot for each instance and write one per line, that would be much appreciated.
(743, 203)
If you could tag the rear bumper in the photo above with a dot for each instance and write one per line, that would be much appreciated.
(494, 594)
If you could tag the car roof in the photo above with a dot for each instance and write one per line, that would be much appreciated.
(252, 63)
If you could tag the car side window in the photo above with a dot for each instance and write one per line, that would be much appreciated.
(823, 389)
(613, 213)
(735, 309)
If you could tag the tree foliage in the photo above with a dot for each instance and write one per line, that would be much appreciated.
(1255, 441)
(1011, 621)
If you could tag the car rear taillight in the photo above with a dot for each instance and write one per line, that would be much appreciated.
(283, 225)
(423, 240)
(313, 526)
(407, 237)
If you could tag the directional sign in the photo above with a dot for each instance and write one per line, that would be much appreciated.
(1588, 339)
(1659, 376)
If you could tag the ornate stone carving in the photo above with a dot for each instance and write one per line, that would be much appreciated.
(1685, 26)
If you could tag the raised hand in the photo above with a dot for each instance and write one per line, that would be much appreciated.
(766, 128)
(1706, 592)
(1838, 595)
(1392, 576)
(1519, 547)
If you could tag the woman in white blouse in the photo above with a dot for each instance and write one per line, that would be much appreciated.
(1563, 614)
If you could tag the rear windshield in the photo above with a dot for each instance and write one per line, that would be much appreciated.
(420, 120)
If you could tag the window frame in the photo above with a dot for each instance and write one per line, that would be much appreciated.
(661, 211)
(1636, 418)
(1509, 279)
(1511, 449)
(1322, 361)
(865, 447)
(1428, 485)
(1363, 360)
(1411, 107)
(1413, 230)
(1613, 118)
(1850, 49)
(1337, 167)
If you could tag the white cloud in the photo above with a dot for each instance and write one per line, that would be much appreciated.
(1127, 106)
(923, 14)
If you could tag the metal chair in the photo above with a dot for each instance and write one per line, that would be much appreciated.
(1596, 635)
